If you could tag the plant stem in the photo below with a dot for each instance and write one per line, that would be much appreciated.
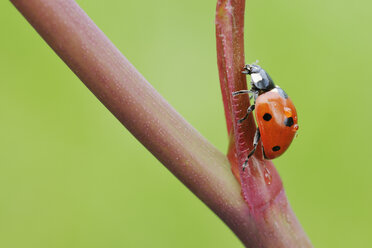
(137, 105)
(261, 185)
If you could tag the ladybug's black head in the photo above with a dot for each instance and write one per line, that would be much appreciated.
(249, 69)
(260, 79)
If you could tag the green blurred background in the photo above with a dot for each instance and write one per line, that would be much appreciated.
(72, 176)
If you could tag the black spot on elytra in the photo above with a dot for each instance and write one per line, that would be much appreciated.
(276, 148)
(267, 117)
(282, 93)
(288, 121)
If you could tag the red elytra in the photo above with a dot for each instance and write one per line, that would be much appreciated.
(276, 118)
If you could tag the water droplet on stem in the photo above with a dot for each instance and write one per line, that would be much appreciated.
(267, 176)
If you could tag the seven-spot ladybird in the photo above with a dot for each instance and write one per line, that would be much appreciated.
(276, 115)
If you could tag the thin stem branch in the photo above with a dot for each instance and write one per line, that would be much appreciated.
(261, 185)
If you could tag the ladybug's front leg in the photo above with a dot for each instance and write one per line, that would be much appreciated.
(249, 110)
(243, 92)
(255, 143)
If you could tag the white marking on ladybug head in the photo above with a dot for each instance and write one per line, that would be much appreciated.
(256, 77)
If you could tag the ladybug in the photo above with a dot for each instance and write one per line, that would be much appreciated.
(275, 113)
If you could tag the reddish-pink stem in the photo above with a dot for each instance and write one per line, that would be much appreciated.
(261, 186)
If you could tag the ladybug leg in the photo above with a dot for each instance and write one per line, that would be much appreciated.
(241, 92)
(249, 110)
(256, 139)
(255, 95)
